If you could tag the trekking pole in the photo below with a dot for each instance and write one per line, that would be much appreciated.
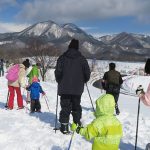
(46, 99)
(137, 124)
(56, 113)
(90, 98)
(6, 105)
(71, 140)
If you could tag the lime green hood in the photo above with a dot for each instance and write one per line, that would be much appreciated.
(105, 105)
(106, 129)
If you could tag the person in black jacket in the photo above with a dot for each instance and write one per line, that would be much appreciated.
(111, 82)
(72, 71)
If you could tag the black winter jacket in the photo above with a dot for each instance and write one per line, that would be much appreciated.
(72, 71)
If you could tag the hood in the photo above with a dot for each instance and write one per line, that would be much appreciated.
(72, 53)
(35, 84)
(22, 66)
(105, 105)
(28, 70)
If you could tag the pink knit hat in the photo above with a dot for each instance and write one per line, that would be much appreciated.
(35, 79)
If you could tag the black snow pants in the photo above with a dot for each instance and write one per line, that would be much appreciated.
(35, 105)
(70, 104)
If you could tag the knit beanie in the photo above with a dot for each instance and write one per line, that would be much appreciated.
(35, 79)
(74, 44)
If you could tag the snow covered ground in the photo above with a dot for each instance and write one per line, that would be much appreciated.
(20, 130)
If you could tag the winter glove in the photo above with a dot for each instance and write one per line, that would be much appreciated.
(139, 90)
(76, 127)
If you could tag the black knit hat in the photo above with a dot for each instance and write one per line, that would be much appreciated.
(26, 63)
(147, 66)
(74, 44)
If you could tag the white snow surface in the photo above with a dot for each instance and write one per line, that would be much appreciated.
(20, 130)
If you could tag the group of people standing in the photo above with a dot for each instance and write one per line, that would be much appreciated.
(31, 85)
(72, 72)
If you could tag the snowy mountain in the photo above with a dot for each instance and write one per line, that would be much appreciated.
(127, 39)
(123, 46)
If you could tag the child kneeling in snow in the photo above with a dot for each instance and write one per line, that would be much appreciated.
(106, 129)
(35, 90)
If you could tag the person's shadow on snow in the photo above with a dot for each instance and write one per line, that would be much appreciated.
(2, 105)
(125, 146)
(87, 109)
(46, 117)
(56, 148)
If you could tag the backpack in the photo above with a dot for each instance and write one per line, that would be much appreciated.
(112, 84)
(113, 77)
(12, 73)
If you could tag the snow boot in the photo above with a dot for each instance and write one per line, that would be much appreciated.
(64, 128)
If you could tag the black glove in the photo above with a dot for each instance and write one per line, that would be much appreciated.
(139, 90)
(78, 129)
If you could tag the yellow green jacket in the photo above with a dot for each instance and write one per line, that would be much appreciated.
(106, 129)
(34, 72)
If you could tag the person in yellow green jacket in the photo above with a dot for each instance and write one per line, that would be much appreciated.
(106, 129)
(33, 73)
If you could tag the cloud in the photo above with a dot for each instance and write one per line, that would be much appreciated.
(7, 3)
(71, 10)
(11, 27)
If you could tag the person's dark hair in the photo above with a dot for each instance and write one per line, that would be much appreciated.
(112, 66)
(27, 60)
(74, 44)
(38, 64)
(26, 63)
(147, 66)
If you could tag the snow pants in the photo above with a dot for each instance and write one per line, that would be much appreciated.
(12, 90)
(70, 104)
(35, 105)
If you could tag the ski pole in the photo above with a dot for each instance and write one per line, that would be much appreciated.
(56, 113)
(71, 140)
(137, 124)
(46, 99)
(90, 98)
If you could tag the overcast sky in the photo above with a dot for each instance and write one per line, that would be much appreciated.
(97, 17)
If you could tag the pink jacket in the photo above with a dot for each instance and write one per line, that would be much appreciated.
(146, 97)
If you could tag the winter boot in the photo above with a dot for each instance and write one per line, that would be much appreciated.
(64, 128)
(117, 110)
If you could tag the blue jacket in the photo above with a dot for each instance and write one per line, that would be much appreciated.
(35, 90)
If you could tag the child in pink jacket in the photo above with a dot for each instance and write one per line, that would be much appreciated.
(145, 97)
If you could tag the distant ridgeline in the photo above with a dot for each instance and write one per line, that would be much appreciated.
(122, 47)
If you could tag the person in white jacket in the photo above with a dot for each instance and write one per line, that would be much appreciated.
(16, 85)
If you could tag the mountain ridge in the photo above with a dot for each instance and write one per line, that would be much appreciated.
(123, 46)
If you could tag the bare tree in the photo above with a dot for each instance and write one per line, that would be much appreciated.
(44, 54)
